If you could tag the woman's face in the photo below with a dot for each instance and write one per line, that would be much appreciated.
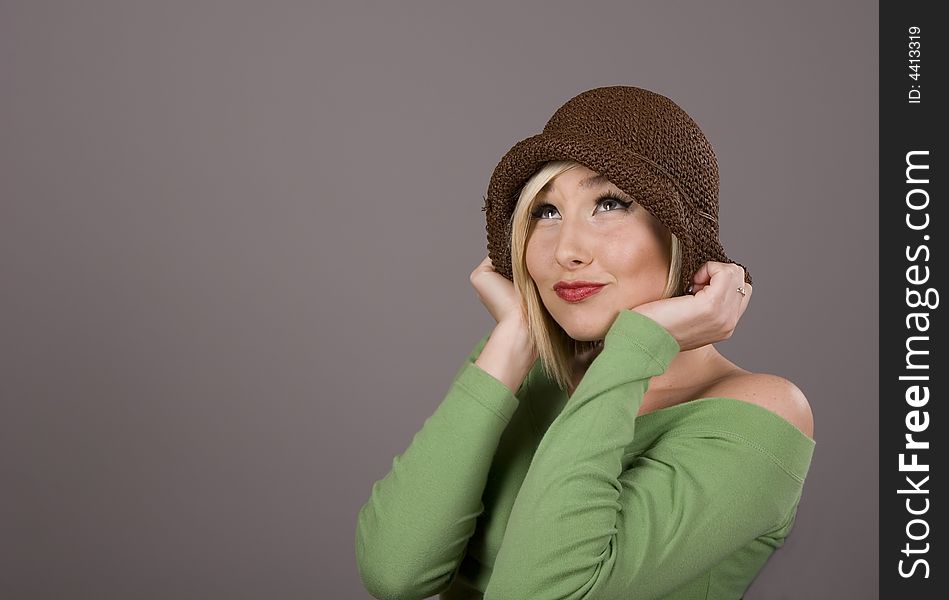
(579, 233)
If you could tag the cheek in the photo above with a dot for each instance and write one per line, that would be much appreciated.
(533, 257)
(540, 247)
(625, 250)
(631, 257)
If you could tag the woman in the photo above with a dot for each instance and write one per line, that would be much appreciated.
(595, 444)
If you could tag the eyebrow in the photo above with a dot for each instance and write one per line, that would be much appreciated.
(592, 181)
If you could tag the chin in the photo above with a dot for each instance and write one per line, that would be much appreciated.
(588, 337)
(584, 322)
(585, 330)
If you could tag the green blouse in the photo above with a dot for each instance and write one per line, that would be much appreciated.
(532, 495)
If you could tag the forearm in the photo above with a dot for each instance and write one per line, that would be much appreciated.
(508, 355)
(560, 537)
(412, 532)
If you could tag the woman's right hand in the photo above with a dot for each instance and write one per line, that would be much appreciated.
(497, 293)
(509, 354)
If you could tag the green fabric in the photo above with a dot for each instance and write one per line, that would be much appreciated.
(533, 495)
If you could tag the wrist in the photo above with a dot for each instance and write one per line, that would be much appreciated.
(508, 355)
(515, 331)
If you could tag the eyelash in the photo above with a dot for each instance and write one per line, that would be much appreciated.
(537, 212)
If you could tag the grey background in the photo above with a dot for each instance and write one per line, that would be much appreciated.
(235, 241)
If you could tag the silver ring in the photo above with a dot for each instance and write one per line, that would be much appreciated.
(742, 290)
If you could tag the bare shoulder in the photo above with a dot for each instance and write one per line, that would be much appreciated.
(773, 392)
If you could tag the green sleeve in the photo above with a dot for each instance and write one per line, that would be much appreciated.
(412, 532)
(585, 527)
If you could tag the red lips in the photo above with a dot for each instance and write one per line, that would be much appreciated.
(575, 291)
(576, 284)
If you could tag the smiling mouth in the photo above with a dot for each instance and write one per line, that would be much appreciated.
(578, 294)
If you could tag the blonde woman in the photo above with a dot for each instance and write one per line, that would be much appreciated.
(595, 444)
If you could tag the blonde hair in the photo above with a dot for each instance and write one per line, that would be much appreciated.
(554, 347)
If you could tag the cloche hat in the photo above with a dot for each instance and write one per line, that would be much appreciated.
(641, 141)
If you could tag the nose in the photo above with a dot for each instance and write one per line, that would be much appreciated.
(574, 242)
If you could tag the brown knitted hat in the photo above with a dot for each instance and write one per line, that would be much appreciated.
(645, 144)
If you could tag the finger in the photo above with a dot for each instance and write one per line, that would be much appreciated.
(737, 280)
(702, 276)
(747, 287)
(707, 271)
(705, 275)
(715, 268)
(700, 280)
(725, 279)
(745, 299)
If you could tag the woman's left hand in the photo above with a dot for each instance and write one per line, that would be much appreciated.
(711, 313)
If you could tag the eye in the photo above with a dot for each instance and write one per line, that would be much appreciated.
(622, 203)
(604, 201)
(540, 210)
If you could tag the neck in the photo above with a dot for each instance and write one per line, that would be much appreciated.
(691, 368)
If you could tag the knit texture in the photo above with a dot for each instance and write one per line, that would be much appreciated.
(504, 495)
(646, 145)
